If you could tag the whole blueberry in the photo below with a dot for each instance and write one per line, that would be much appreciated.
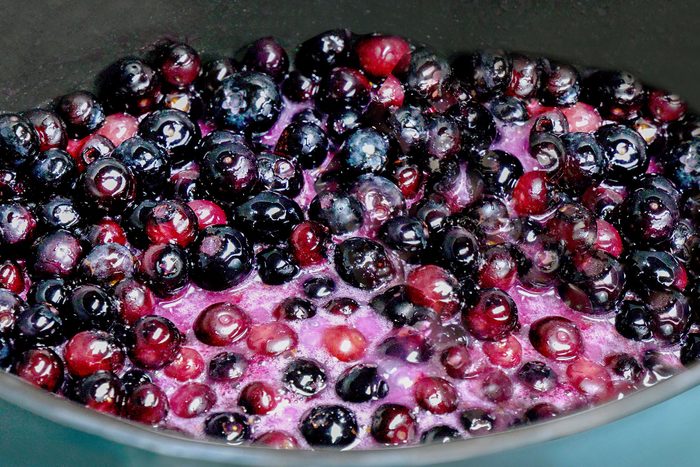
(81, 112)
(222, 258)
(247, 101)
(683, 165)
(174, 130)
(276, 266)
(329, 426)
(268, 216)
(625, 152)
(304, 377)
(279, 174)
(304, 142)
(19, 143)
(405, 233)
(341, 212)
(147, 160)
(477, 126)
(363, 263)
(60, 213)
(54, 170)
(266, 55)
(229, 171)
(323, 52)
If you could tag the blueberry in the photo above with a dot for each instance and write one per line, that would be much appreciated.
(633, 321)
(298, 87)
(365, 150)
(276, 266)
(107, 264)
(323, 52)
(38, 326)
(269, 216)
(131, 85)
(538, 376)
(11, 184)
(279, 174)
(395, 305)
(440, 434)
(477, 126)
(54, 291)
(525, 80)
(443, 138)
(650, 270)
(6, 352)
(508, 109)
(625, 152)
(247, 101)
(222, 258)
(308, 115)
(670, 314)
(82, 113)
(625, 366)
(553, 121)
(178, 62)
(549, 151)
(147, 160)
(458, 250)
(56, 254)
(133, 379)
(229, 171)
(363, 263)
(95, 147)
(216, 138)
(230, 427)
(342, 122)
(393, 424)
(361, 383)
(690, 351)
(107, 185)
(54, 170)
(434, 212)
(380, 198)
(683, 166)
(318, 287)
(101, 391)
(617, 94)
(295, 308)
(60, 213)
(409, 128)
(91, 307)
(500, 171)
(584, 162)
(227, 367)
(214, 73)
(427, 74)
(329, 426)
(540, 412)
(173, 130)
(304, 142)
(266, 55)
(561, 84)
(595, 285)
(477, 421)
(304, 377)
(340, 212)
(405, 233)
(49, 127)
(165, 269)
(134, 221)
(19, 143)
(649, 216)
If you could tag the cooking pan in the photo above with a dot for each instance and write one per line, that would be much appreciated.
(51, 47)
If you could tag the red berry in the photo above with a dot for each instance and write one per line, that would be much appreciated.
(271, 339)
(49, 128)
(433, 287)
(681, 280)
(590, 379)
(135, 300)
(666, 107)
(458, 362)
(221, 324)
(118, 128)
(192, 399)
(101, 391)
(106, 231)
(556, 337)
(171, 222)
(436, 395)
(497, 387)
(258, 398)
(147, 404)
(382, 55)
(390, 93)
(188, 364)
(499, 268)
(156, 342)
(409, 179)
(344, 343)
(609, 239)
(531, 194)
(309, 243)
(505, 353)
(494, 316)
(91, 351)
(179, 64)
(41, 367)
(11, 276)
(393, 424)
(582, 118)
(207, 213)
(277, 440)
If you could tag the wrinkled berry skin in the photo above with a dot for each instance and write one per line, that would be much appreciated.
(247, 101)
(222, 258)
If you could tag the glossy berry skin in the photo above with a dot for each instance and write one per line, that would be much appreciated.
(436, 395)
(156, 342)
(101, 391)
(38, 326)
(173, 130)
(363, 263)
(54, 291)
(89, 149)
(458, 251)
(19, 143)
(60, 213)
(670, 316)
(298, 87)
(393, 424)
(493, 317)
(81, 112)
(56, 254)
(226, 367)
(304, 377)
(632, 320)
(49, 127)
(258, 398)
(171, 222)
(17, 225)
(340, 212)
(304, 142)
(179, 64)
(440, 434)
(165, 269)
(277, 440)
(650, 270)
(12, 276)
(107, 184)
(108, 264)
(406, 234)
(11, 184)
(537, 376)
(147, 404)
(40, 367)
(525, 76)
(557, 338)
(361, 383)
(590, 378)
(192, 400)
(574, 226)
(596, 283)
(618, 94)
(345, 343)
(272, 339)
(188, 365)
(208, 213)
(308, 242)
(132, 379)
(624, 366)
(323, 52)
(477, 421)
(279, 174)
(131, 85)
(690, 352)
(294, 308)
(435, 288)
(497, 387)
(54, 170)
(214, 72)
(229, 171)
(222, 258)
(247, 101)
(531, 194)
(489, 72)
(683, 163)
(266, 55)
(344, 88)
(342, 306)
(649, 216)
(584, 161)
(276, 266)
(260, 214)
(561, 84)
(364, 150)
(135, 300)
(380, 198)
(90, 351)
(319, 287)
(91, 307)
(329, 426)
(382, 55)
(146, 160)
(625, 152)
(221, 324)
(231, 427)
(505, 353)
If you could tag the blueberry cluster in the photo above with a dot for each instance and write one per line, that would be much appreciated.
(179, 173)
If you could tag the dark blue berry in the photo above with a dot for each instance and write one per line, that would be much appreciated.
(91, 307)
(433, 211)
(537, 376)
(683, 166)
(405, 233)
(625, 152)
(227, 367)
(318, 287)
(247, 101)
(173, 130)
(329, 426)
(107, 185)
(54, 291)
(361, 383)
(49, 127)
(165, 268)
(54, 171)
(440, 434)
(365, 150)
(304, 377)
(323, 52)
(489, 71)
(276, 266)
(230, 427)
(690, 351)
(561, 84)
(280, 174)
(147, 160)
(229, 171)
(56, 254)
(595, 284)
(6, 352)
(648, 270)
(407, 346)
(340, 212)
(19, 143)
(266, 55)
(342, 122)
(131, 85)
(478, 128)
(477, 421)
(133, 379)
(81, 112)
(583, 163)
(395, 306)
(298, 87)
(458, 250)
(363, 263)
(649, 216)
(38, 326)
(295, 308)
(508, 109)
(222, 258)
(269, 216)
(305, 143)
(409, 128)
(107, 264)
(617, 94)
(59, 213)
(500, 171)
(632, 321)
